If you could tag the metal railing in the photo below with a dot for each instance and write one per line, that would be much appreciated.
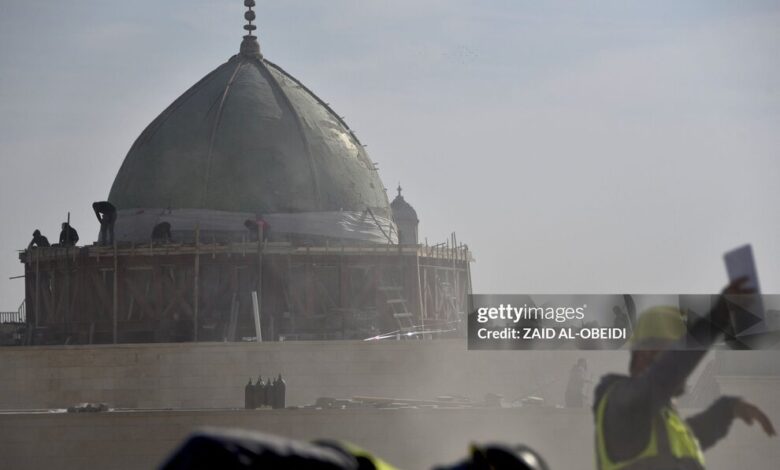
(19, 316)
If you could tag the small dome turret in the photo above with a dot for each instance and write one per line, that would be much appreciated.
(405, 218)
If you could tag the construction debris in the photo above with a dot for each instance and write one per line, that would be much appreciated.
(88, 408)
(442, 402)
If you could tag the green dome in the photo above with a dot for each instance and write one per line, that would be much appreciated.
(249, 138)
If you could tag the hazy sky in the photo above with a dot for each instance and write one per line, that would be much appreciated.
(588, 147)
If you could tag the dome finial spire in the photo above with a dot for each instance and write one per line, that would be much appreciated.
(399, 188)
(250, 46)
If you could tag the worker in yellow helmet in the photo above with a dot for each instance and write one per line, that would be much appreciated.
(637, 425)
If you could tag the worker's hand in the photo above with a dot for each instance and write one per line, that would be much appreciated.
(721, 315)
(749, 413)
(738, 287)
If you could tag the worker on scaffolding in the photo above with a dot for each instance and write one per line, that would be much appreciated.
(258, 228)
(38, 240)
(637, 425)
(106, 215)
(263, 227)
(162, 232)
(68, 235)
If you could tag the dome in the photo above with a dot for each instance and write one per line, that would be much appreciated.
(248, 138)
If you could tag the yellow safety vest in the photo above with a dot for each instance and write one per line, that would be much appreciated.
(672, 444)
(358, 452)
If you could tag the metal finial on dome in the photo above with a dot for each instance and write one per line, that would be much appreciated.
(249, 16)
(250, 46)
(399, 188)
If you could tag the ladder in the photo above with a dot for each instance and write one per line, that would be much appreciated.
(397, 303)
(448, 302)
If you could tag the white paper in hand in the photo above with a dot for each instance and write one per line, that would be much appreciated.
(740, 263)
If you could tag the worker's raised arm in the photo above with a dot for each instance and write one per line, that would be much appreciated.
(654, 387)
(665, 377)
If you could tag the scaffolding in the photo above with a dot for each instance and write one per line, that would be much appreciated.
(202, 291)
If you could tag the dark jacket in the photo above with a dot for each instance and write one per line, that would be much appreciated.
(38, 240)
(69, 235)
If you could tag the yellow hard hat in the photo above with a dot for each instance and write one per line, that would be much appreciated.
(658, 328)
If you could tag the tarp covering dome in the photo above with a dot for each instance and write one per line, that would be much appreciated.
(247, 139)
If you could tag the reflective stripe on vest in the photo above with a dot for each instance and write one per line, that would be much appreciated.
(359, 452)
(672, 444)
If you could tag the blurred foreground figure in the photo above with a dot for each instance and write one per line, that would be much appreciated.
(499, 457)
(229, 449)
(637, 425)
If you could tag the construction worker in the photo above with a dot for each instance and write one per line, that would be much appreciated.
(257, 228)
(637, 425)
(162, 232)
(106, 215)
(38, 240)
(575, 388)
(263, 227)
(68, 235)
(251, 225)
